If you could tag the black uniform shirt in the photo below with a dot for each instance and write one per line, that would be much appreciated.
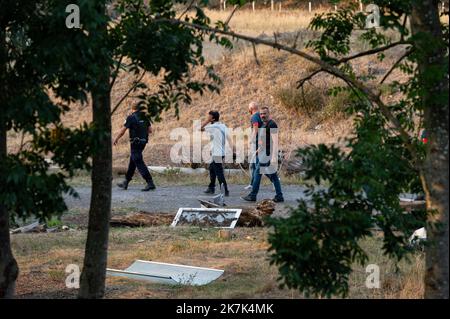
(138, 125)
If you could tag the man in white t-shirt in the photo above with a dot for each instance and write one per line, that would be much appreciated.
(218, 134)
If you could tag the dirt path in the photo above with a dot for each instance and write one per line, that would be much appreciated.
(169, 199)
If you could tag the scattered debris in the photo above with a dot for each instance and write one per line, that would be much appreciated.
(207, 217)
(254, 216)
(55, 229)
(207, 204)
(219, 200)
(142, 219)
(418, 237)
(415, 205)
(167, 273)
(250, 216)
(37, 227)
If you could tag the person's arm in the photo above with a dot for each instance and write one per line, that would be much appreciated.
(121, 133)
(202, 128)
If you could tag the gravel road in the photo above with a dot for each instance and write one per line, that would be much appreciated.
(169, 199)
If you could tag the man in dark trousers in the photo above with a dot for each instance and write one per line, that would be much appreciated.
(266, 157)
(219, 136)
(139, 128)
(256, 123)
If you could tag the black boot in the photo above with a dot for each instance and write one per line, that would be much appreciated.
(150, 186)
(124, 184)
(278, 199)
(249, 198)
(210, 190)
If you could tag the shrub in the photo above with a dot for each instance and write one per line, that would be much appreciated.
(314, 102)
(305, 102)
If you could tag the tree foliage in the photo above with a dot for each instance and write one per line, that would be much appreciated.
(41, 78)
(316, 247)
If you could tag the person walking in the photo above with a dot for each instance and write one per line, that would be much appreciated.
(255, 123)
(266, 157)
(219, 135)
(139, 129)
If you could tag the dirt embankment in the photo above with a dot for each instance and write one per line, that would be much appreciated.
(243, 80)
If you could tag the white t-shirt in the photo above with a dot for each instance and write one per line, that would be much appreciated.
(218, 133)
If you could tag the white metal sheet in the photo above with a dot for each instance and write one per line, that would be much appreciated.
(168, 273)
(140, 276)
(207, 217)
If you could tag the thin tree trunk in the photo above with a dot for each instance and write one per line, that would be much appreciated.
(8, 265)
(425, 21)
(92, 284)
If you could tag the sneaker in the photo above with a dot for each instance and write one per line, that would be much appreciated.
(150, 186)
(124, 184)
(209, 191)
(248, 187)
(249, 198)
(278, 199)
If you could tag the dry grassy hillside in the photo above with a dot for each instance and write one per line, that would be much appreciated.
(243, 81)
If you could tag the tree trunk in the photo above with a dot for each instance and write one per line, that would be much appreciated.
(432, 62)
(8, 265)
(94, 269)
(92, 284)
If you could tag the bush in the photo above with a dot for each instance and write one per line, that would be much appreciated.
(314, 102)
(307, 102)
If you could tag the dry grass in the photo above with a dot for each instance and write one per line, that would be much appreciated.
(44, 257)
(264, 21)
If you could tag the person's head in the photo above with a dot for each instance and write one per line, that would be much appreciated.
(253, 107)
(135, 107)
(265, 114)
(213, 116)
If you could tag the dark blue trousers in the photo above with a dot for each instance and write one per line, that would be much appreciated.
(256, 181)
(137, 161)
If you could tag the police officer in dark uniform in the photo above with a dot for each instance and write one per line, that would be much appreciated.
(140, 128)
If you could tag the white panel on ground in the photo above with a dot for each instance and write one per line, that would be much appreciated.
(207, 217)
(168, 273)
